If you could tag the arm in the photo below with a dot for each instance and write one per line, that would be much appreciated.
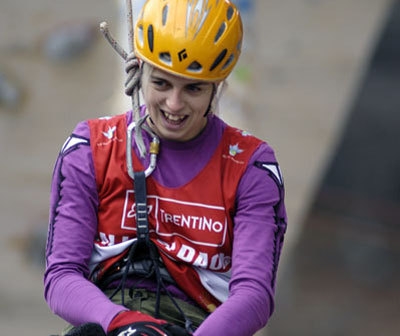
(260, 223)
(72, 228)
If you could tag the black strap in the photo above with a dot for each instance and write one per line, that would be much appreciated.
(142, 224)
(143, 241)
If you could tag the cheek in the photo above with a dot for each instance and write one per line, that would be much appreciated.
(151, 98)
(201, 105)
(202, 109)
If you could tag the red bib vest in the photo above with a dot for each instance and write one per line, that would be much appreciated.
(191, 225)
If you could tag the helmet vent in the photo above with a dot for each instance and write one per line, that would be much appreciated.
(220, 32)
(164, 15)
(228, 62)
(219, 59)
(195, 67)
(150, 37)
(165, 57)
(229, 13)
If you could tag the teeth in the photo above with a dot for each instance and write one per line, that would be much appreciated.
(173, 117)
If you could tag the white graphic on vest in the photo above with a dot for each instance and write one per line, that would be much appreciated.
(234, 150)
(198, 223)
(132, 211)
(191, 222)
(109, 239)
(216, 262)
(110, 135)
(110, 132)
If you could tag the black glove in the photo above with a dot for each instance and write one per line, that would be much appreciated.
(87, 329)
(149, 329)
(176, 330)
(132, 323)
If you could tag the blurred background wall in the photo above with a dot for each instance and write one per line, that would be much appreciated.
(318, 79)
(342, 274)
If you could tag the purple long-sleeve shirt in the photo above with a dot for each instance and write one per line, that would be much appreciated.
(259, 226)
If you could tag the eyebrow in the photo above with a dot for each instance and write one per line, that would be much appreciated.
(199, 83)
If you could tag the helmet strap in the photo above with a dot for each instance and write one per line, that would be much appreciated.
(213, 94)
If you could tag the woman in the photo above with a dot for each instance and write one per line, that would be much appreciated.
(190, 244)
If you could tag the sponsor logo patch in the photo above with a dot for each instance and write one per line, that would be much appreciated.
(198, 223)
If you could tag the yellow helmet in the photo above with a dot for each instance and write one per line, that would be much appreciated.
(196, 39)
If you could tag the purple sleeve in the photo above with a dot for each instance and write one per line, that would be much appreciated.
(72, 228)
(260, 223)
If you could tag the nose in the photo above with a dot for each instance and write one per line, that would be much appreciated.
(175, 100)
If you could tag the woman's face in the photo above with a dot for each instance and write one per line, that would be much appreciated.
(176, 105)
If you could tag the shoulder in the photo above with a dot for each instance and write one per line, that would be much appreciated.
(241, 141)
(233, 132)
(264, 152)
(264, 161)
(110, 128)
(100, 122)
(84, 130)
(79, 137)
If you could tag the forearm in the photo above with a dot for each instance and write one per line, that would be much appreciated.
(242, 314)
(81, 300)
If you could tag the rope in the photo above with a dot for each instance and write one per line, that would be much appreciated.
(132, 68)
(132, 86)
(106, 32)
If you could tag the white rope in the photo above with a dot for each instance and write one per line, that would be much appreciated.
(106, 32)
(132, 85)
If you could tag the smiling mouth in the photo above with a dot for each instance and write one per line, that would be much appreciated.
(173, 119)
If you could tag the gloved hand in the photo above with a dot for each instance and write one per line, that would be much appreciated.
(87, 329)
(134, 323)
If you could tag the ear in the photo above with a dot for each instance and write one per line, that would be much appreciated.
(218, 89)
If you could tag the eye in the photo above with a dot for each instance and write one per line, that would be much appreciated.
(159, 83)
(194, 87)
